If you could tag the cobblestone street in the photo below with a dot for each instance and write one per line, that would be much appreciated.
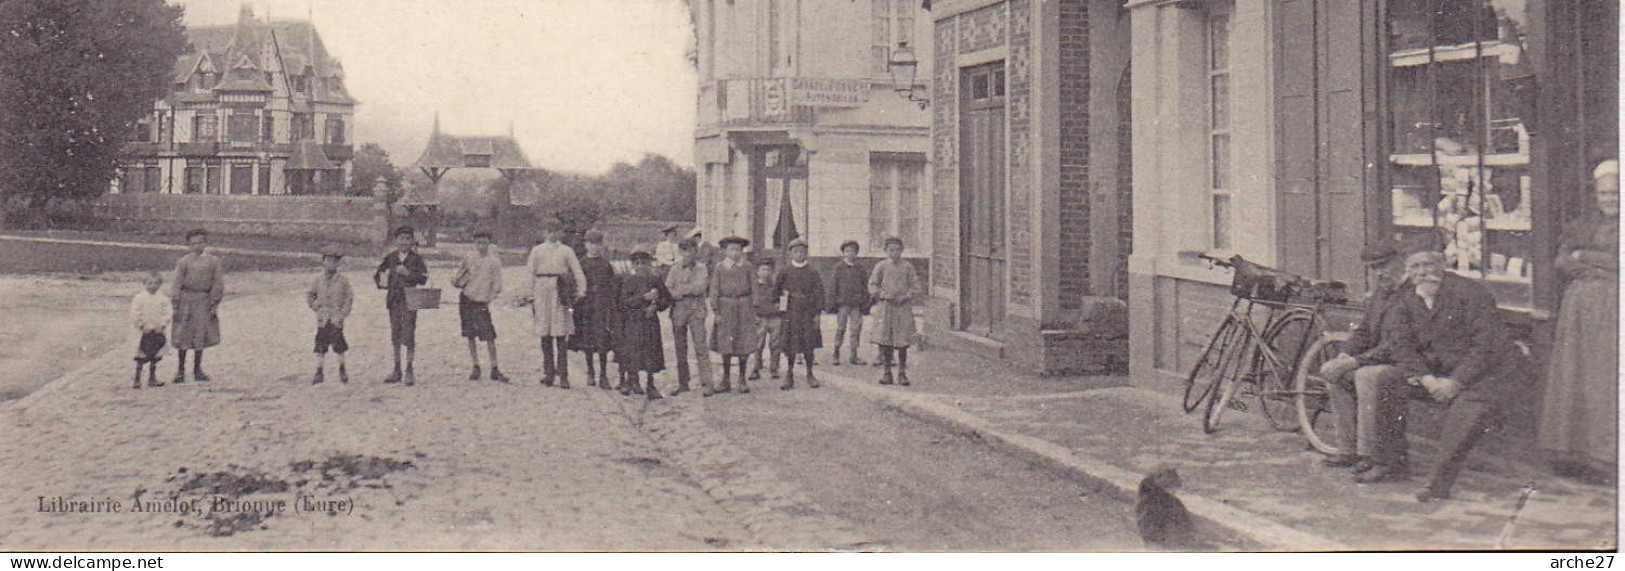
(491, 466)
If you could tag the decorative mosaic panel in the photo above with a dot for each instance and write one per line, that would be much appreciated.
(982, 28)
(945, 158)
(1018, 109)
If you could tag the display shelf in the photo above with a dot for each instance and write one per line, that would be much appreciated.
(1493, 278)
(1461, 52)
(1493, 224)
(1426, 160)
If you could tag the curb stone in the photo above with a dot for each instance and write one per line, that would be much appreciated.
(1260, 532)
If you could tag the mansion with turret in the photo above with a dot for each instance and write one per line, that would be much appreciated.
(255, 108)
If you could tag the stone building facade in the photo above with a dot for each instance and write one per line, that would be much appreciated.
(1295, 132)
(799, 130)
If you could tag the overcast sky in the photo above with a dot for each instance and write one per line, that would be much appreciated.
(585, 82)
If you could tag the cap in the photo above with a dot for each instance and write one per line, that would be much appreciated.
(641, 252)
(766, 261)
(894, 240)
(669, 229)
(1379, 252)
(593, 237)
(852, 243)
(799, 242)
(733, 240)
(695, 233)
(332, 251)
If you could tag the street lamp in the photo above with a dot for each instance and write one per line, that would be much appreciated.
(903, 66)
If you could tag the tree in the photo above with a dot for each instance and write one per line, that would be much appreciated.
(371, 165)
(75, 77)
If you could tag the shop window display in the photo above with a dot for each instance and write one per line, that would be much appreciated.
(1460, 93)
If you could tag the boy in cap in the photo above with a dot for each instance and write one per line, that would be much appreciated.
(850, 299)
(734, 335)
(200, 286)
(689, 282)
(769, 317)
(805, 291)
(331, 298)
(894, 285)
(666, 250)
(596, 315)
(402, 268)
(151, 313)
(638, 348)
(480, 278)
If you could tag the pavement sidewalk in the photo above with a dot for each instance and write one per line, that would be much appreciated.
(1252, 487)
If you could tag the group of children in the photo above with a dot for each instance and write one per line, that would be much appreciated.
(756, 308)
(189, 311)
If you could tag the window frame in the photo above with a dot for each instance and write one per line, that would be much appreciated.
(1219, 237)
(891, 166)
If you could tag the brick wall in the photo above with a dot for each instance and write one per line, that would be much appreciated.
(351, 219)
(1073, 58)
(1018, 111)
(945, 159)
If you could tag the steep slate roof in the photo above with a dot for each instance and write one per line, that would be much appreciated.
(451, 151)
(297, 41)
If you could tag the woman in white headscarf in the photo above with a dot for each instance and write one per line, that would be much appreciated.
(1578, 421)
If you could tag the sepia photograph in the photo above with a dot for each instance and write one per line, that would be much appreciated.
(1107, 277)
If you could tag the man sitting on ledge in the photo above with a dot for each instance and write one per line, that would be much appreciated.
(1446, 337)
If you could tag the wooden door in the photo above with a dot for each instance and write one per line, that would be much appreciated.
(982, 199)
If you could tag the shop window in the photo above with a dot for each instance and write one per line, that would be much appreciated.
(1460, 95)
(894, 197)
(268, 128)
(1221, 187)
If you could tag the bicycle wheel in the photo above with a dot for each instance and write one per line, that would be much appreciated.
(1313, 397)
(1200, 384)
(1286, 338)
(1231, 376)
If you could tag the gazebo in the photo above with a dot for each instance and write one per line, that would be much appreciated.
(445, 152)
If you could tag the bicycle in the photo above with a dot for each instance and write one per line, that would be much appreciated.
(1244, 358)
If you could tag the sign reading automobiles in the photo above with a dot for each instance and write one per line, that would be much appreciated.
(818, 92)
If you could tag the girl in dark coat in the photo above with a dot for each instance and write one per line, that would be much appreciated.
(805, 291)
(596, 315)
(642, 296)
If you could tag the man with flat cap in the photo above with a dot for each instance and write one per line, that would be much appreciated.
(690, 284)
(665, 253)
(1365, 363)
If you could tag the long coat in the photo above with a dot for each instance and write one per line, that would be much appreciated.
(200, 285)
(1461, 337)
(550, 263)
(597, 316)
(894, 286)
(638, 346)
(806, 291)
(734, 329)
(1582, 383)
